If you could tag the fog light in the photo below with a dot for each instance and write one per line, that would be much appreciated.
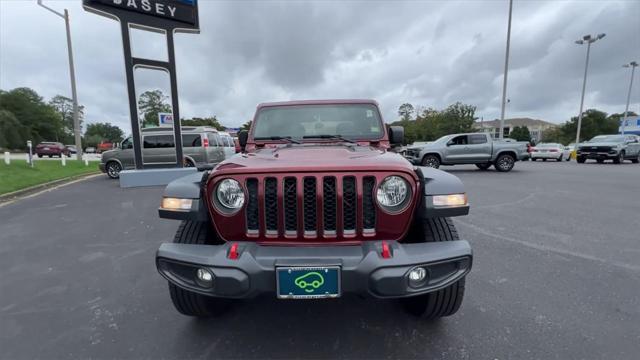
(205, 277)
(417, 276)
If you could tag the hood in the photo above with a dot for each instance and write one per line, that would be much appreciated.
(109, 153)
(316, 158)
(603, 143)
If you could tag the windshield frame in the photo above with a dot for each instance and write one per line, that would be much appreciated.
(311, 138)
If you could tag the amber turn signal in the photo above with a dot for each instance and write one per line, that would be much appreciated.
(176, 203)
(451, 200)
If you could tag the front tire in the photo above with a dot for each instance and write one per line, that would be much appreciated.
(187, 302)
(559, 159)
(431, 160)
(581, 159)
(443, 302)
(113, 169)
(505, 162)
(637, 159)
(619, 159)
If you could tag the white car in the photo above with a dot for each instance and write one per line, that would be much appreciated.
(228, 144)
(544, 151)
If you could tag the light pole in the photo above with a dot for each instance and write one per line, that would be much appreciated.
(588, 39)
(72, 73)
(506, 70)
(633, 66)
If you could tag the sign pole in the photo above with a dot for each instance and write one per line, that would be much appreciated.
(131, 90)
(177, 130)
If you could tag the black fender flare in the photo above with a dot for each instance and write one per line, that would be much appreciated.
(188, 187)
(435, 182)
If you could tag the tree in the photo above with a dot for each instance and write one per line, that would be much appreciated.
(150, 104)
(209, 121)
(246, 126)
(64, 106)
(520, 133)
(104, 132)
(431, 124)
(36, 120)
(406, 111)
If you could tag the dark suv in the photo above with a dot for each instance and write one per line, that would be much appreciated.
(314, 207)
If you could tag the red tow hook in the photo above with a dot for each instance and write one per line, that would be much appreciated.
(386, 251)
(233, 252)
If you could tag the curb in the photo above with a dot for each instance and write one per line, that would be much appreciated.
(15, 195)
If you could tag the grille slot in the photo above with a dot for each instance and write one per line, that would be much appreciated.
(349, 205)
(271, 205)
(309, 205)
(329, 208)
(368, 206)
(252, 206)
(290, 206)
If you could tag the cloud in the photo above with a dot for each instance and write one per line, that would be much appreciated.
(426, 53)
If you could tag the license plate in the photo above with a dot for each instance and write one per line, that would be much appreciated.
(308, 282)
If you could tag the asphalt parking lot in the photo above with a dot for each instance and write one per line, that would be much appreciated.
(556, 275)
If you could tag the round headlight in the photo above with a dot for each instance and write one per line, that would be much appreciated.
(393, 193)
(229, 194)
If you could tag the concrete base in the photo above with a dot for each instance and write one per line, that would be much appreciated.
(152, 177)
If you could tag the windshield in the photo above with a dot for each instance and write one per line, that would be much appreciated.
(544, 146)
(443, 139)
(354, 121)
(607, 138)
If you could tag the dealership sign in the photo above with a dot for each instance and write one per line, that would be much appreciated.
(165, 119)
(184, 11)
(632, 126)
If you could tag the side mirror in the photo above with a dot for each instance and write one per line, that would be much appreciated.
(396, 135)
(449, 143)
(242, 139)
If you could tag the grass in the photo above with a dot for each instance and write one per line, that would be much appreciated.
(19, 175)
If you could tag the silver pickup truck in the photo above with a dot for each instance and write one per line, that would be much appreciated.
(474, 148)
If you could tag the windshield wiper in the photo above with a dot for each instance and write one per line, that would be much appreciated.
(328, 136)
(286, 138)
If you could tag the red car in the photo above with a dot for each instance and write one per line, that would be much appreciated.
(315, 207)
(50, 149)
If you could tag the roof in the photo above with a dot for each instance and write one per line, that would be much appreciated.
(516, 122)
(318, 102)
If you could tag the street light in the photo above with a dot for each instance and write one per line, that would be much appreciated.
(506, 70)
(588, 39)
(72, 73)
(633, 66)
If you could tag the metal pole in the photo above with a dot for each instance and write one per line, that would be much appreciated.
(506, 70)
(72, 74)
(584, 86)
(74, 94)
(633, 65)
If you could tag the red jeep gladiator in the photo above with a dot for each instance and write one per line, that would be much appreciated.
(316, 206)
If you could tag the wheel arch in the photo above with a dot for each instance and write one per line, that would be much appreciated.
(507, 152)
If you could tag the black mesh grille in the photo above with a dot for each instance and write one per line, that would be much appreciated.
(271, 204)
(309, 204)
(329, 203)
(252, 204)
(290, 205)
(368, 207)
(349, 204)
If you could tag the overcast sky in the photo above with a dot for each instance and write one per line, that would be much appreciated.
(427, 53)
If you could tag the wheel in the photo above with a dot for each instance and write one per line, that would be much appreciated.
(568, 158)
(637, 159)
(113, 169)
(544, 159)
(39, 155)
(188, 163)
(580, 159)
(443, 302)
(483, 166)
(187, 302)
(600, 161)
(620, 158)
(505, 163)
(431, 160)
(559, 159)
(50, 156)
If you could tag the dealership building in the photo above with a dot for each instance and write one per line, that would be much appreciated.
(536, 127)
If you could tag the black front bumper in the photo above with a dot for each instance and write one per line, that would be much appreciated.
(363, 269)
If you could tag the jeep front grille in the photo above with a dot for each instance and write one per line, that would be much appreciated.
(311, 206)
